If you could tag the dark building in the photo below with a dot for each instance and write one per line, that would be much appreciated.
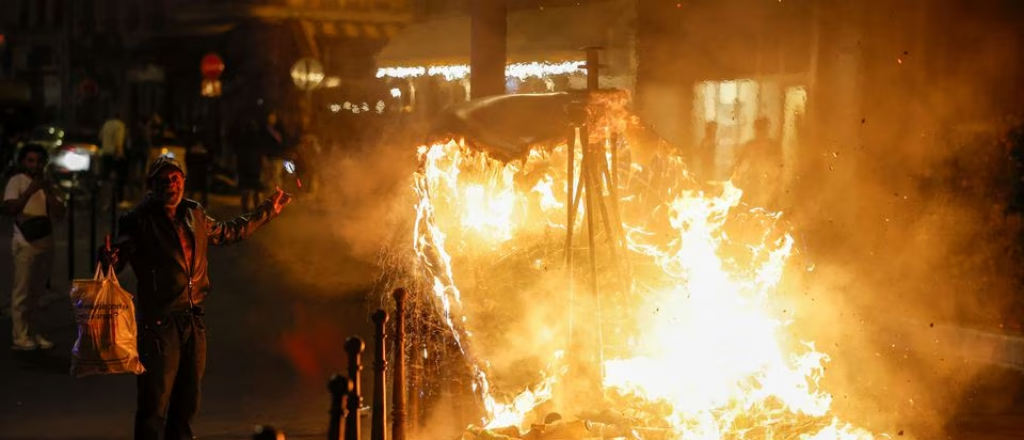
(85, 59)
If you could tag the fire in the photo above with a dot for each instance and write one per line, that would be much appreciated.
(707, 342)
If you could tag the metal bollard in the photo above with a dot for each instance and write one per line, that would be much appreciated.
(266, 432)
(71, 233)
(354, 346)
(113, 212)
(398, 388)
(93, 221)
(340, 387)
(378, 420)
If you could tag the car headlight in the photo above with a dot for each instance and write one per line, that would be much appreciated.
(73, 159)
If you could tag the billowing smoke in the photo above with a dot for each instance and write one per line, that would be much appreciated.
(906, 264)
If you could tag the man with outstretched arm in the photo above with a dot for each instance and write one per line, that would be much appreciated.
(165, 239)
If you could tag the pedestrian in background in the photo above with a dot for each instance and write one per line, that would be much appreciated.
(249, 161)
(274, 144)
(704, 159)
(115, 160)
(34, 202)
(165, 239)
(758, 168)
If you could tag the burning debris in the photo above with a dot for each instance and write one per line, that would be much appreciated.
(620, 291)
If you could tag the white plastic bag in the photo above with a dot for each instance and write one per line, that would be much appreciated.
(105, 316)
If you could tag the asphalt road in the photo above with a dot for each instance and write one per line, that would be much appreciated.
(282, 305)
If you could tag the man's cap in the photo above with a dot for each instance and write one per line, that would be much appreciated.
(166, 160)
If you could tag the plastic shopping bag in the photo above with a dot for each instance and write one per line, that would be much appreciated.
(105, 316)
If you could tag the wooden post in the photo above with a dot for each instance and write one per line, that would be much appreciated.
(340, 387)
(380, 365)
(398, 387)
(354, 346)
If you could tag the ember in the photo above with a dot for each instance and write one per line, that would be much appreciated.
(685, 328)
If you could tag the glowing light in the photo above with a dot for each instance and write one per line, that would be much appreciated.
(335, 108)
(461, 71)
(74, 160)
(331, 82)
(396, 92)
(401, 72)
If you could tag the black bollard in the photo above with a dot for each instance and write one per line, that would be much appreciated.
(93, 220)
(113, 211)
(398, 388)
(71, 233)
(340, 387)
(267, 432)
(380, 365)
(354, 346)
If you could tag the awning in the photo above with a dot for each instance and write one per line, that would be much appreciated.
(506, 126)
(537, 34)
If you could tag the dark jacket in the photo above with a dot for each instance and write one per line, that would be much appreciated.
(147, 240)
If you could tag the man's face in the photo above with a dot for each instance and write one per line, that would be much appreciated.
(32, 163)
(169, 186)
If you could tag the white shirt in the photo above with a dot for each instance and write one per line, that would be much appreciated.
(112, 136)
(36, 206)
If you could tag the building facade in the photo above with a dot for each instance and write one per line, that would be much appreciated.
(83, 60)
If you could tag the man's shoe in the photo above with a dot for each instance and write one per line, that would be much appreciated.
(43, 343)
(29, 345)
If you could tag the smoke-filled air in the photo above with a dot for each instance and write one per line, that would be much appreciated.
(616, 282)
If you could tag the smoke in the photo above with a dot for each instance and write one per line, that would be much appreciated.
(904, 274)
(906, 265)
(897, 185)
(361, 198)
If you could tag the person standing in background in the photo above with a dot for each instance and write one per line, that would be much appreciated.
(115, 160)
(758, 168)
(274, 145)
(249, 161)
(34, 202)
(705, 155)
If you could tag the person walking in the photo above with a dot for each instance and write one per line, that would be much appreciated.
(34, 202)
(165, 239)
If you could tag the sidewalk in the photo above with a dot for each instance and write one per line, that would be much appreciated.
(273, 342)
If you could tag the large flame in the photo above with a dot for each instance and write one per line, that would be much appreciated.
(708, 343)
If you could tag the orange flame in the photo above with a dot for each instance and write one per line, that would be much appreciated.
(708, 342)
